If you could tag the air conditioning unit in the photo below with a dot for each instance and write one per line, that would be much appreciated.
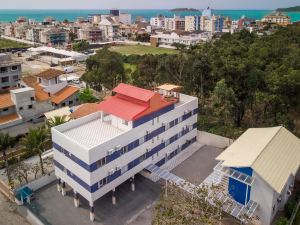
(118, 147)
(148, 149)
(147, 132)
(111, 151)
(279, 199)
(291, 186)
(289, 192)
(186, 111)
(118, 168)
(163, 124)
(111, 172)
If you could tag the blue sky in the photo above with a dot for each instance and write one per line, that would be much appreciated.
(145, 4)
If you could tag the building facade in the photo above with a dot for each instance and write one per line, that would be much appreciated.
(132, 129)
(10, 72)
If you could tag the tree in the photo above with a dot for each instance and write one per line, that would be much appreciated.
(57, 120)
(282, 221)
(21, 171)
(81, 46)
(200, 206)
(86, 96)
(5, 142)
(179, 46)
(36, 141)
(144, 37)
(104, 69)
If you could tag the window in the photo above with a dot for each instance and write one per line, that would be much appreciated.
(14, 68)
(70, 102)
(152, 122)
(63, 104)
(157, 119)
(124, 150)
(3, 69)
(77, 99)
(15, 78)
(152, 140)
(167, 126)
(142, 158)
(30, 107)
(32, 98)
(4, 79)
(141, 140)
(20, 108)
(102, 182)
(124, 122)
(167, 142)
(180, 119)
(5, 110)
(157, 137)
(65, 170)
(101, 162)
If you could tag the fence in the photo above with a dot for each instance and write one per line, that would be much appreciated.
(293, 217)
(213, 140)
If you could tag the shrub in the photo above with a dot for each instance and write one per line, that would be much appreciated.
(288, 209)
(282, 221)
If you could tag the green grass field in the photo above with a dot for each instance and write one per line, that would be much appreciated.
(141, 50)
(10, 44)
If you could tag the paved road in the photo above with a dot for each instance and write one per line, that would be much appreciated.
(8, 215)
(197, 167)
(59, 210)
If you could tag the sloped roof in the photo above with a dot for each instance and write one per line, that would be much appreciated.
(65, 111)
(273, 153)
(6, 101)
(169, 87)
(50, 74)
(40, 94)
(84, 110)
(9, 118)
(134, 92)
(64, 94)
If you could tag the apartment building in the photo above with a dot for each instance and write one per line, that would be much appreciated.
(278, 18)
(91, 34)
(10, 72)
(33, 34)
(179, 23)
(110, 28)
(54, 36)
(157, 22)
(167, 40)
(125, 18)
(132, 129)
(192, 23)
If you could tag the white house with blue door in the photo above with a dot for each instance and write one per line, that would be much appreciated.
(133, 129)
(260, 167)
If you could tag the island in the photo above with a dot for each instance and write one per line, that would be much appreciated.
(290, 9)
(184, 10)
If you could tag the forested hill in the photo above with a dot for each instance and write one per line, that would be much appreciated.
(242, 80)
(290, 9)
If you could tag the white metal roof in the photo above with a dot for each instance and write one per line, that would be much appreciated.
(273, 153)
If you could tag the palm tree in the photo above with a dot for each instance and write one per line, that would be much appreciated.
(57, 120)
(36, 141)
(5, 142)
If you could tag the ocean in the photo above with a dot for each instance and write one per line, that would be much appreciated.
(10, 15)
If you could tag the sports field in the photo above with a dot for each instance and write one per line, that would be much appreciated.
(141, 50)
(10, 44)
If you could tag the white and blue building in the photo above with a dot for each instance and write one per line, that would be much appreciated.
(133, 129)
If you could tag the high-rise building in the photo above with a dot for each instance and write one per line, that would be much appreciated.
(115, 12)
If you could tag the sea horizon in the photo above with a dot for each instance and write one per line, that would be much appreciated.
(10, 15)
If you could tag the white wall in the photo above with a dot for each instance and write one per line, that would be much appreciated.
(213, 140)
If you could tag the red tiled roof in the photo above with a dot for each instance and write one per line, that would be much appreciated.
(122, 108)
(84, 110)
(8, 118)
(134, 92)
(132, 103)
(50, 74)
(64, 94)
(5, 101)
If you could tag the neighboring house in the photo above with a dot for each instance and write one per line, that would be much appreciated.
(47, 85)
(131, 130)
(10, 72)
(8, 112)
(84, 110)
(260, 168)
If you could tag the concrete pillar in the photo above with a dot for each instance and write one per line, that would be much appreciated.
(114, 199)
(58, 185)
(63, 189)
(132, 184)
(92, 211)
(76, 199)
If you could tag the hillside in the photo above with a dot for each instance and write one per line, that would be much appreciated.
(290, 9)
